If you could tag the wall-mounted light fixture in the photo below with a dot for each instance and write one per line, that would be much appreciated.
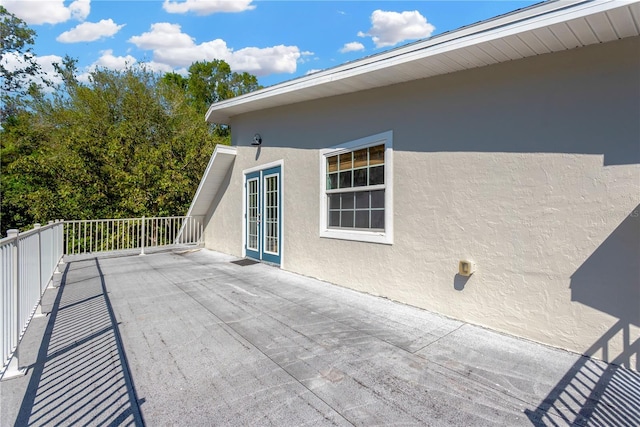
(466, 267)
(257, 139)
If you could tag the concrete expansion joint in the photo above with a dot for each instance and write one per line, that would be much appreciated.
(433, 342)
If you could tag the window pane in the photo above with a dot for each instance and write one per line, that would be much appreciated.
(362, 219)
(332, 181)
(346, 161)
(334, 201)
(346, 219)
(376, 175)
(377, 219)
(334, 219)
(376, 155)
(360, 177)
(362, 200)
(345, 179)
(332, 164)
(356, 170)
(377, 199)
(360, 158)
(347, 200)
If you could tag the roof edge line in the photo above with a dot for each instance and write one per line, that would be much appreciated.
(222, 149)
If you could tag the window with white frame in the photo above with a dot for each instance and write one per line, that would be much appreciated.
(356, 196)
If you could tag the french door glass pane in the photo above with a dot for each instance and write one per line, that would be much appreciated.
(271, 215)
(252, 214)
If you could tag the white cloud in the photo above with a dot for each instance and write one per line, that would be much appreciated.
(306, 56)
(391, 28)
(112, 62)
(262, 61)
(207, 7)
(36, 12)
(90, 31)
(159, 67)
(312, 71)
(174, 48)
(352, 47)
(46, 65)
(12, 61)
(162, 35)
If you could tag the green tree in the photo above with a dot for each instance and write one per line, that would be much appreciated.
(127, 143)
(124, 144)
(18, 67)
(16, 39)
(212, 81)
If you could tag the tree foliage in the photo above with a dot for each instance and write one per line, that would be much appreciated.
(122, 144)
(18, 66)
(16, 39)
(125, 144)
(212, 81)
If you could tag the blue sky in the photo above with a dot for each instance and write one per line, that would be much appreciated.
(275, 40)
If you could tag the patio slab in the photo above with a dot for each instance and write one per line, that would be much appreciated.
(190, 338)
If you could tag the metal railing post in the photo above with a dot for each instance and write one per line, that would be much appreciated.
(13, 368)
(58, 250)
(143, 237)
(38, 312)
(60, 245)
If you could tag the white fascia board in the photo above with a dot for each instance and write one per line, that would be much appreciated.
(219, 152)
(520, 27)
(518, 22)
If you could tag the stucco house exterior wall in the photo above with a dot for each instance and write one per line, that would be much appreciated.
(530, 168)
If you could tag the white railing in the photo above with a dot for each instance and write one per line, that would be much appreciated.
(100, 235)
(28, 263)
(29, 260)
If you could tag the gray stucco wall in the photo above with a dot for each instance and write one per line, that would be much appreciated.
(531, 168)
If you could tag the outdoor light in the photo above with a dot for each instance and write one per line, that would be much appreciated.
(466, 267)
(257, 139)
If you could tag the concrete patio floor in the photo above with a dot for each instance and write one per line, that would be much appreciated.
(190, 338)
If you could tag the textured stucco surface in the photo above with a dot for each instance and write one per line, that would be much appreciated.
(530, 168)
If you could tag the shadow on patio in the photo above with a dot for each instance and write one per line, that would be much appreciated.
(593, 392)
(212, 342)
(80, 374)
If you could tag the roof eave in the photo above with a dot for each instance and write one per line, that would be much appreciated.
(334, 81)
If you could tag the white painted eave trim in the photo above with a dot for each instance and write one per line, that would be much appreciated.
(219, 164)
(519, 22)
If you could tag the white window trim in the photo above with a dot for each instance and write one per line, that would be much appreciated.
(384, 237)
